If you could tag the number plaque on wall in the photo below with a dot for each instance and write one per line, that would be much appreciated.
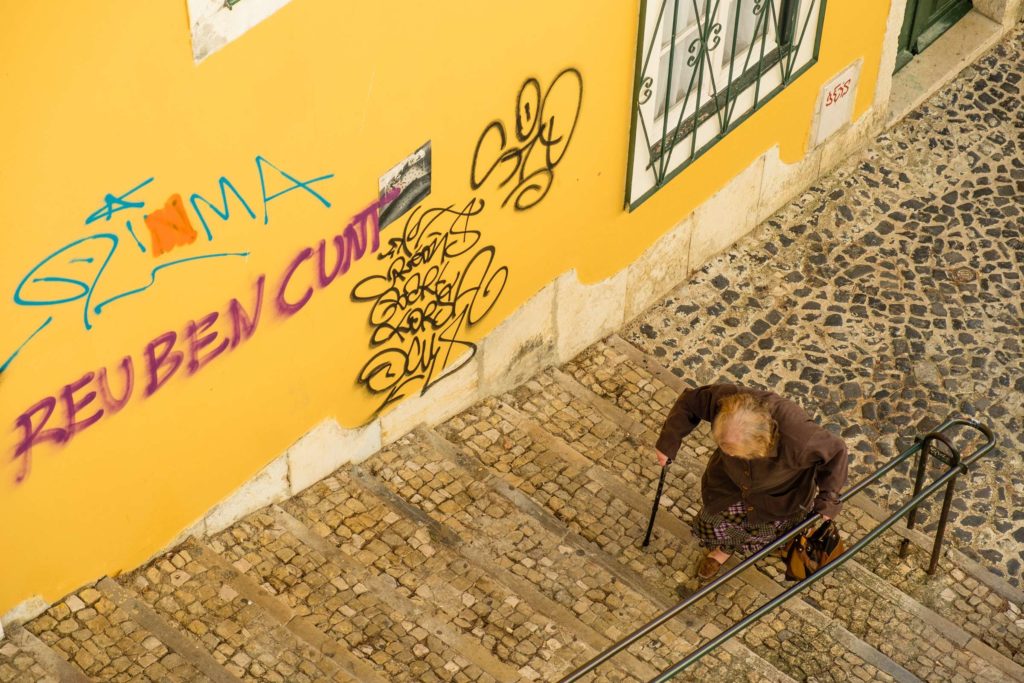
(835, 104)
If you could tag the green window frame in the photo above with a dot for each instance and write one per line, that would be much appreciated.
(703, 67)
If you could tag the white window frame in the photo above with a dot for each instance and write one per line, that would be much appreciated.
(649, 168)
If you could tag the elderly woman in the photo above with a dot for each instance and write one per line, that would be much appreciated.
(773, 466)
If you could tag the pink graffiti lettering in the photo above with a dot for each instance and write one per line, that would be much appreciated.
(155, 360)
(361, 234)
(199, 339)
(33, 435)
(285, 307)
(73, 406)
(242, 326)
(111, 404)
(200, 343)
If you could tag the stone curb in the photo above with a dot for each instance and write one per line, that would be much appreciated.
(280, 613)
(143, 615)
(47, 657)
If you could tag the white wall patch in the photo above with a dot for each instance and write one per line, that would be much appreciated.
(215, 23)
(835, 104)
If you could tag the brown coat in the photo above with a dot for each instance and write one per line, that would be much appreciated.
(782, 486)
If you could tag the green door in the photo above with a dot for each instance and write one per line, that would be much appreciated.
(926, 20)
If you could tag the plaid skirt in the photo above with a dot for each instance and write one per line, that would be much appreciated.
(731, 531)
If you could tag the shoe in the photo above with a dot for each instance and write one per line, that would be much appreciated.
(708, 568)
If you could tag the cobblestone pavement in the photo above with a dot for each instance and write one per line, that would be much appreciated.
(103, 642)
(19, 665)
(503, 545)
(889, 297)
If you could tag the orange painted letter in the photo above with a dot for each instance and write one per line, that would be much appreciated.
(169, 227)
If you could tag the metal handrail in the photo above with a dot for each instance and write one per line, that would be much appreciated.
(957, 466)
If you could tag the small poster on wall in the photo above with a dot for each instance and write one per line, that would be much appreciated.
(405, 185)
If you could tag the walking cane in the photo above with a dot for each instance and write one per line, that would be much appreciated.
(654, 510)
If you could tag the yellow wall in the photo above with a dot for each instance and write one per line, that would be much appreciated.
(101, 96)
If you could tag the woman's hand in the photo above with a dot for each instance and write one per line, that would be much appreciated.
(662, 458)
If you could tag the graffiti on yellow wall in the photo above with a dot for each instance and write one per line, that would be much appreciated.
(72, 276)
(170, 227)
(545, 121)
(439, 280)
(83, 402)
(439, 277)
(312, 91)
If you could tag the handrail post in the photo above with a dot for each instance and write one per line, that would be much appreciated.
(922, 467)
(940, 532)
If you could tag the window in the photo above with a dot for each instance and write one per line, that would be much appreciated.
(703, 67)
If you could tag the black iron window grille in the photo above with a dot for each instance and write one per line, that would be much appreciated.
(705, 66)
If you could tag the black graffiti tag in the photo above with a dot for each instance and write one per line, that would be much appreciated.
(544, 126)
(439, 282)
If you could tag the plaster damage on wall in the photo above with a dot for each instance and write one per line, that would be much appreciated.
(215, 23)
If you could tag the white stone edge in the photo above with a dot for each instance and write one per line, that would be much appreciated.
(22, 613)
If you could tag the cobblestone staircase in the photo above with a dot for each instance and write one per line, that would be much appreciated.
(503, 545)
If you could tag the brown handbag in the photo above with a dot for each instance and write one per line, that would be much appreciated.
(810, 551)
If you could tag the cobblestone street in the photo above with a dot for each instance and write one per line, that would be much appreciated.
(504, 543)
(888, 298)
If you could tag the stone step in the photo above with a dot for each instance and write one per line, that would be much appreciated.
(603, 509)
(174, 639)
(555, 574)
(638, 395)
(96, 634)
(438, 572)
(928, 645)
(363, 611)
(230, 619)
(24, 658)
(975, 609)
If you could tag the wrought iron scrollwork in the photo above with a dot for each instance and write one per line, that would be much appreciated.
(700, 98)
(700, 46)
(694, 51)
(716, 37)
(646, 90)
